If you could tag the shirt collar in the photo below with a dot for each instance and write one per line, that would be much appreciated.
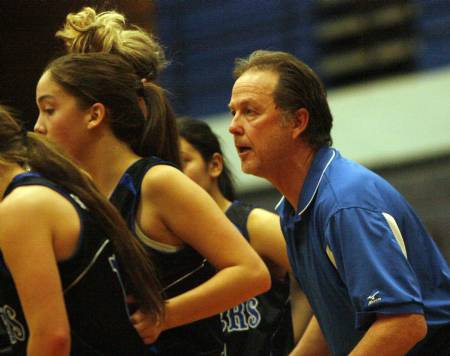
(320, 163)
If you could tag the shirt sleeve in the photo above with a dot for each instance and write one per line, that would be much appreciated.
(371, 260)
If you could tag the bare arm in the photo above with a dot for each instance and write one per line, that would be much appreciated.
(26, 241)
(193, 216)
(267, 239)
(312, 342)
(300, 309)
(394, 334)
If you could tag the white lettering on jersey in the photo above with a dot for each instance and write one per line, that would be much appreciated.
(242, 317)
(14, 328)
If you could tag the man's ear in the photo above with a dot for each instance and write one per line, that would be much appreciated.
(97, 113)
(300, 122)
(215, 165)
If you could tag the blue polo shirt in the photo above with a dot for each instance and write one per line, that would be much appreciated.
(358, 249)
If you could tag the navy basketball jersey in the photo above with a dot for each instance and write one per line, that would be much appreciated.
(93, 291)
(261, 326)
(178, 271)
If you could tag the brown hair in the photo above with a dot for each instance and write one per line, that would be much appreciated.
(35, 151)
(86, 31)
(298, 87)
(108, 79)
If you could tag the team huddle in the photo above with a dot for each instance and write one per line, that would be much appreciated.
(121, 233)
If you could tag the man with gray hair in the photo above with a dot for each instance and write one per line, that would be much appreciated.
(375, 279)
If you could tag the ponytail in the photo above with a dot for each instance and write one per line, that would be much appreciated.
(135, 260)
(160, 135)
(32, 150)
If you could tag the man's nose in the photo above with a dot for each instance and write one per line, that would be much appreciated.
(235, 127)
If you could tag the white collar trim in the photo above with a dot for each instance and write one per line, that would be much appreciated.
(315, 190)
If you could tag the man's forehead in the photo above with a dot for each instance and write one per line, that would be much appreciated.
(253, 83)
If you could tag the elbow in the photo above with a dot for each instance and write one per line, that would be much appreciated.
(60, 342)
(413, 328)
(419, 327)
(263, 281)
(56, 341)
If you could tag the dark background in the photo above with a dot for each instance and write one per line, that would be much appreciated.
(344, 41)
(27, 43)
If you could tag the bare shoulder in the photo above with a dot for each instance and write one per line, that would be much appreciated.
(160, 177)
(267, 239)
(261, 218)
(163, 181)
(30, 204)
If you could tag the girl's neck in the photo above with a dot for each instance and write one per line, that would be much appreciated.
(7, 174)
(107, 163)
(220, 200)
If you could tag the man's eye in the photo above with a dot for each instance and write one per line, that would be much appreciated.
(49, 111)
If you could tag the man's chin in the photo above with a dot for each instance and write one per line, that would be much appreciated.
(248, 168)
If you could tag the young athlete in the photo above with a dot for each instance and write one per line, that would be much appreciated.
(261, 325)
(88, 31)
(67, 259)
(88, 103)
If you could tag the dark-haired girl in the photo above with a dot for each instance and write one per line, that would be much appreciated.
(67, 259)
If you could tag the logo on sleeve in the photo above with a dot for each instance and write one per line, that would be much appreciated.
(374, 298)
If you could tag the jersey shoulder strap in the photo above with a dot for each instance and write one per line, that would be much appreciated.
(126, 194)
(238, 214)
